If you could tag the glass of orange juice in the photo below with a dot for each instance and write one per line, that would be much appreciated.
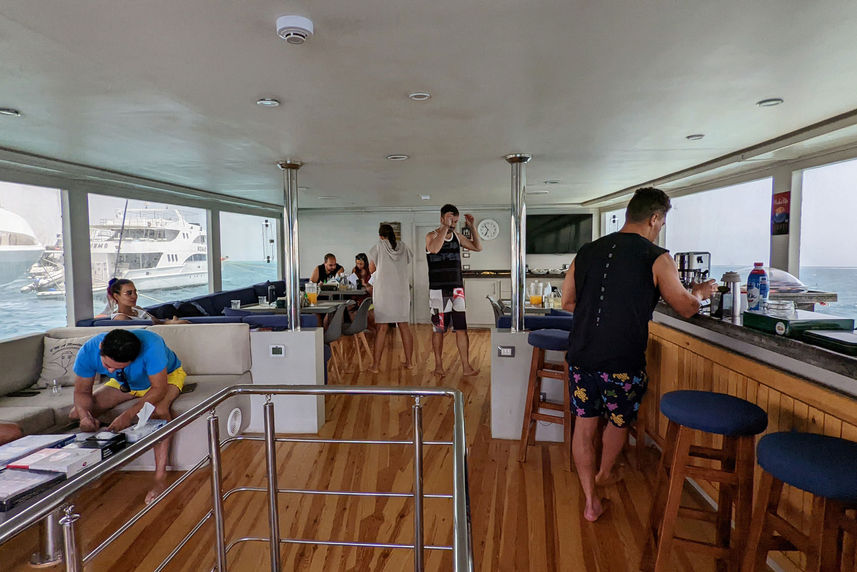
(312, 297)
(536, 300)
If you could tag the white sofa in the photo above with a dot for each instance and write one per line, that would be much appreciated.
(213, 355)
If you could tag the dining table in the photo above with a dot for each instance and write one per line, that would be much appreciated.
(321, 307)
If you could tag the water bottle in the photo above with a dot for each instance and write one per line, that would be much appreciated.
(272, 294)
(56, 388)
(757, 288)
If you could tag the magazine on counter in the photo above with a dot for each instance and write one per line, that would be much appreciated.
(28, 444)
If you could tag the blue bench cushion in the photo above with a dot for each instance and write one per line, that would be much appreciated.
(825, 466)
(278, 321)
(549, 339)
(539, 322)
(559, 312)
(162, 311)
(714, 412)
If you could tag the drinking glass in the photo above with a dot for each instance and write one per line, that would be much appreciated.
(56, 387)
(535, 300)
(263, 300)
(235, 304)
(312, 297)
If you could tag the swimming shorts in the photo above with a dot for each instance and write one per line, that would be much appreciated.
(616, 396)
(175, 377)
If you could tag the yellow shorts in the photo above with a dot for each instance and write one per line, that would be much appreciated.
(175, 377)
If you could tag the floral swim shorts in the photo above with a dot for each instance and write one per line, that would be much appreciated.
(616, 396)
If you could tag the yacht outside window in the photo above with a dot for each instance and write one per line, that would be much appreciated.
(160, 247)
(828, 257)
(248, 249)
(32, 271)
(732, 223)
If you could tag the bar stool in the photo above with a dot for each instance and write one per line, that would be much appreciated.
(542, 340)
(738, 421)
(824, 466)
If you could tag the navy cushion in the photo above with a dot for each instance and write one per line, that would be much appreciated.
(236, 312)
(189, 308)
(163, 311)
(714, 412)
(278, 321)
(559, 312)
(825, 466)
(549, 339)
(214, 319)
(205, 304)
(539, 322)
(86, 322)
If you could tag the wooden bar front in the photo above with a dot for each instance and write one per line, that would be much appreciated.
(677, 360)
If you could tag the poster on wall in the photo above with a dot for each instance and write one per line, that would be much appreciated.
(780, 213)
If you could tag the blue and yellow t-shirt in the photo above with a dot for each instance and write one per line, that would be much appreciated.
(154, 357)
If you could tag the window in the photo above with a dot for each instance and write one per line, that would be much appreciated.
(248, 249)
(732, 223)
(32, 274)
(828, 259)
(160, 247)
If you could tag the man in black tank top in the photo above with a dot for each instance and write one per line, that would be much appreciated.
(446, 285)
(327, 271)
(612, 287)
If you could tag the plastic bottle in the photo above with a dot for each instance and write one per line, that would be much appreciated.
(757, 288)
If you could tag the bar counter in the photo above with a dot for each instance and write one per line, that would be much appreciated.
(800, 386)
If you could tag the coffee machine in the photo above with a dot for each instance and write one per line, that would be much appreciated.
(693, 267)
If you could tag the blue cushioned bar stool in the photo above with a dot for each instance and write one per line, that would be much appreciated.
(824, 466)
(738, 421)
(543, 340)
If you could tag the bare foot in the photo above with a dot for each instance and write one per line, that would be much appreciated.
(407, 365)
(470, 372)
(607, 480)
(160, 486)
(439, 372)
(593, 510)
(372, 369)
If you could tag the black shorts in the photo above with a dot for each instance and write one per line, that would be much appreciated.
(447, 310)
(616, 396)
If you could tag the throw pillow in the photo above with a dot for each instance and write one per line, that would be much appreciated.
(58, 360)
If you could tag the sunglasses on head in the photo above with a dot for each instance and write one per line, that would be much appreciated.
(123, 380)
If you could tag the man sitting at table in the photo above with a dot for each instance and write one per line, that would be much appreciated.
(139, 365)
(326, 272)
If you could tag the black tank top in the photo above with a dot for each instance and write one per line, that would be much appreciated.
(324, 276)
(444, 268)
(616, 295)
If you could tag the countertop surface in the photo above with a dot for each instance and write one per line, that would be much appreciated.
(506, 274)
(822, 358)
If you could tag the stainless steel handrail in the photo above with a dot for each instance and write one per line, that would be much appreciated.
(461, 519)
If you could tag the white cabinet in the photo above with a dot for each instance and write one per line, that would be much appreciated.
(479, 311)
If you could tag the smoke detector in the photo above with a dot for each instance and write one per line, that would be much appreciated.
(294, 29)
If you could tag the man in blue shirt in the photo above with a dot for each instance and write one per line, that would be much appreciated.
(139, 365)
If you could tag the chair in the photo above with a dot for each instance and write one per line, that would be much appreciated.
(542, 340)
(738, 421)
(356, 330)
(332, 335)
(824, 466)
(497, 307)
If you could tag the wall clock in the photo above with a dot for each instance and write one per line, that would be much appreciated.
(488, 229)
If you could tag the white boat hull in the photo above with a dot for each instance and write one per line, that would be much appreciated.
(15, 261)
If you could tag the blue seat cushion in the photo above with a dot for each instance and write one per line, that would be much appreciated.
(539, 322)
(825, 466)
(714, 412)
(559, 312)
(549, 339)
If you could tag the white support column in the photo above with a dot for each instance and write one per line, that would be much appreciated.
(78, 263)
(215, 272)
(782, 245)
(796, 203)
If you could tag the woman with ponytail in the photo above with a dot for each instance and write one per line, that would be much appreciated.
(389, 263)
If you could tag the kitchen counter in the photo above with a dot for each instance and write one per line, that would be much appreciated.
(832, 369)
(505, 274)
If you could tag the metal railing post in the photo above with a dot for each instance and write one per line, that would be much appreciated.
(50, 536)
(216, 490)
(419, 543)
(71, 544)
(271, 463)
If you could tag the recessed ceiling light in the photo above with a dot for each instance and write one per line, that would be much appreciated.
(419, 96)
(268, 102)
(10, 112)
(551, 182)
(538, 192)
(425, 197)
(695, 136)
(397, 157)
(769, 102)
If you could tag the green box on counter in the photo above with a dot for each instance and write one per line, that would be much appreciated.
(792, 324)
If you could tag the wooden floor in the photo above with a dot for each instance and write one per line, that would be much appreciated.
(524, 517)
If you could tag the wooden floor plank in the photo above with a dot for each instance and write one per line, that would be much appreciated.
(525, 517)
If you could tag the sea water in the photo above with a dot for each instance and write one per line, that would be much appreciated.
(24, 313)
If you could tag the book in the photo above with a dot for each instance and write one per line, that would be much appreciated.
(30, 444)
(18, 486)
(107, 447)
(68, 461)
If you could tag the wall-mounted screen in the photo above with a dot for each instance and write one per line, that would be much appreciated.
(558, 233)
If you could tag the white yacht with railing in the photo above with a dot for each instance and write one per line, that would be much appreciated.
(19, 247)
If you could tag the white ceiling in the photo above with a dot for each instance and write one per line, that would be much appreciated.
(601, 93)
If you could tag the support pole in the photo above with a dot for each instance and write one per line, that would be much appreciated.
(71, 543)
(519, 237)
(217, 491)
(419, 542)
(271, 464)
(50, 537)
(291, 255)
